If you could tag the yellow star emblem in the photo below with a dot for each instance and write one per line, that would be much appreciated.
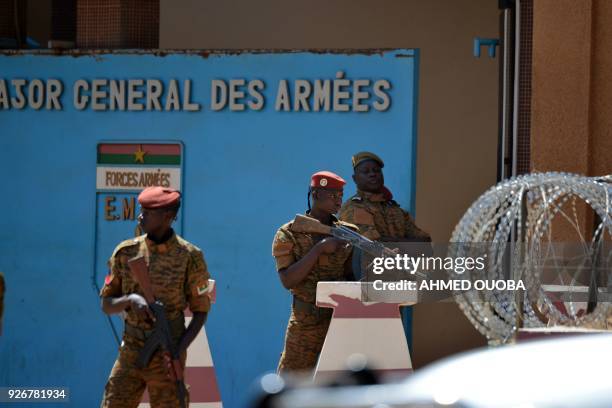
(139, 155)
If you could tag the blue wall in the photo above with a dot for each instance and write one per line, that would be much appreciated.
(245, 174)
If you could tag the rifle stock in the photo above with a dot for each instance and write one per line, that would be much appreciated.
(310, 225)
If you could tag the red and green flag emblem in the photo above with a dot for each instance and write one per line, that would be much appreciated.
(134, 154)
(134, 166)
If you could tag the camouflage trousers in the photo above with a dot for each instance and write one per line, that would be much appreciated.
(126, 383)
(304, 340)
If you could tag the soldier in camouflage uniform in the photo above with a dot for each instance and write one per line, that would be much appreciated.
(179, 277)
(302, 260)
(373, 209)
(2, 289)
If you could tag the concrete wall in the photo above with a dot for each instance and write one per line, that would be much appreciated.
(572, 92)
(457, 106)
(601, 88)
(572, 86)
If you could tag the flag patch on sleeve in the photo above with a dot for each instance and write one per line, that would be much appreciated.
(202, 289)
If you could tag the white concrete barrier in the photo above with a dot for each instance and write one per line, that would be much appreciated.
(372, 329)
(199, 369)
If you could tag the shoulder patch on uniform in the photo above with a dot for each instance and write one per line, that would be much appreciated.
(356, 198)
(393, 203)
(202, 289)
(108, 279)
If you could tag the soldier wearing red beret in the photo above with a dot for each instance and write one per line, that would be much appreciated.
(302, 260)
(179, 277)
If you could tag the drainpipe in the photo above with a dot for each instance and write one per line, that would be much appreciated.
(506, 154)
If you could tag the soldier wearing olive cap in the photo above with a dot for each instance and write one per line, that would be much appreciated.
(373, 209)
(302, 260)
(179, 278)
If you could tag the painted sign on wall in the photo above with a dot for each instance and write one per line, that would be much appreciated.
(239, 135)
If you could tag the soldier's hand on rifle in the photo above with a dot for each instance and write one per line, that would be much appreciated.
(330, 245)
(140, 306)
(391, 252)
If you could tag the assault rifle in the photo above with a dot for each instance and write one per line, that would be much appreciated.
(311, 225)
(373, 248)
(161, 336)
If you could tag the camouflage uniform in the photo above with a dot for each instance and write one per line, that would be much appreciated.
(179, 277)
(377, 217)
(308, 324)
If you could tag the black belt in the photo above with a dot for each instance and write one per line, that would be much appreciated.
(310, 308)
(176, 327)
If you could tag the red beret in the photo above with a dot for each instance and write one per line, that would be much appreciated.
(326, 179)
(158, 197)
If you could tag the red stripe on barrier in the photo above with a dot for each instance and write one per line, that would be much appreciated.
(202, 383)
(213, 294)
(349, 308)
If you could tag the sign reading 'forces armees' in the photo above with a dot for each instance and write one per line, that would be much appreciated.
(131, 167)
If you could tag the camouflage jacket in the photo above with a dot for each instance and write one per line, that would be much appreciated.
(177, 271)
(290, 245)
(377, 217)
